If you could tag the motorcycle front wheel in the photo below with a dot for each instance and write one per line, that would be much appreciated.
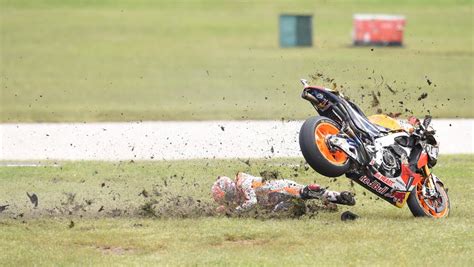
(315, 150)
(434, 207)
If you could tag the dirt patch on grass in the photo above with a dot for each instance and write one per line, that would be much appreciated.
(111, 250)
(169, 206)
(244, 242)
(171, 194)
(238, 240)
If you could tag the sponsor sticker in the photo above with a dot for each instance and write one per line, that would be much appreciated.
(397, 197)
(375, 185)
(384, 179)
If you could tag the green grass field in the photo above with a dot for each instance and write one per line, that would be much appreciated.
(196, 60)
(175, 230)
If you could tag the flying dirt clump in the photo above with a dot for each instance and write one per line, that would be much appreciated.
(390, 89)
(33, 198)
(375, 100)
(390, 105)
(3, 207)
(270, 174)
(422, 96)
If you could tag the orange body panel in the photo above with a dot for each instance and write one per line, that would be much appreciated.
(422, 161)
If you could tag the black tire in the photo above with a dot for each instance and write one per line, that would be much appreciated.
(311, 152)
(417, 209)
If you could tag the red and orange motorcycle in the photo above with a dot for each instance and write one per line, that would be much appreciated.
(389, 159)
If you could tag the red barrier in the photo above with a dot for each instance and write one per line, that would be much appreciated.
(371, 29)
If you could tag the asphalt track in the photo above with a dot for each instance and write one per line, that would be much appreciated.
(180, 140)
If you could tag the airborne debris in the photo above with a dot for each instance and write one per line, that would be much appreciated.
(352, 183)
(270, 175)
(394, 115)
(422, 96)
(375, 101)
(3, 207)
(143, 193)
(390, 89)
(33, 198)
(247, 161)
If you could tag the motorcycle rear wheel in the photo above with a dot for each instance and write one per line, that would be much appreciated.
(428, 207)
(313, 145)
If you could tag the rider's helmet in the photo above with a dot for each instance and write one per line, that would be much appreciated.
(224, 190)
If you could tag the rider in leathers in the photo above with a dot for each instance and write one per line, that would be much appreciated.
(246, 191)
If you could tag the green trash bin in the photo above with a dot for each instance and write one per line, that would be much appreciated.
(296, 30)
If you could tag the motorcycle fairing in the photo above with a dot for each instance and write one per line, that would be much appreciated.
(422, 161)
(409, 177)
(393, 190)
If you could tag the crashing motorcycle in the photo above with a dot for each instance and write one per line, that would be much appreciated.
(390, 158)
